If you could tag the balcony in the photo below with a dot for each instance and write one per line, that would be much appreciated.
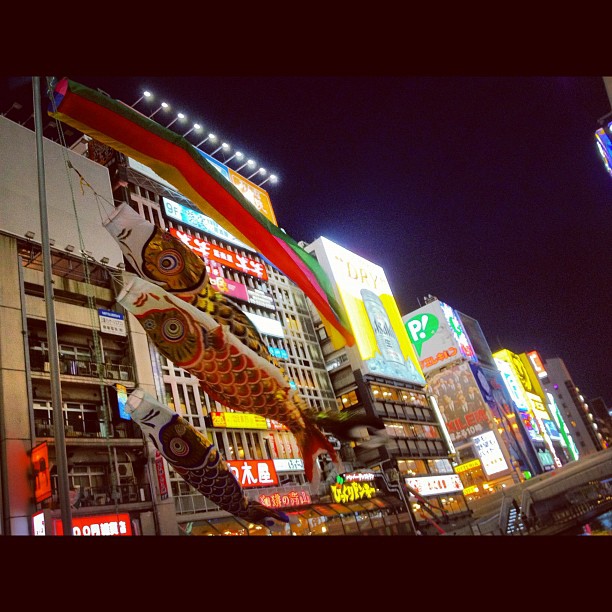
(99, 497)
(44, 428)
(86, 369)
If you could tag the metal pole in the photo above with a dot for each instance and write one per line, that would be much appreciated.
(56, 390)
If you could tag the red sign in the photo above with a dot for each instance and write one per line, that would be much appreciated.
(209, 251)
(467, 425)
(286, 498)
(161, 475)
(254, 473)
(100, 525)
(42, 477)
(230, 287)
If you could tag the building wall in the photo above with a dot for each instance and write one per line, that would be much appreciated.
(19, 196)
(574, 410)
(15, 440)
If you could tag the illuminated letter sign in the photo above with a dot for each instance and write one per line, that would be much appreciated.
(254, 473)
(197, 220)
(207, 251)
(42, 477)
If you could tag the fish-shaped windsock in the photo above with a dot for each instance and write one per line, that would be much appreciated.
(228, 370)
(164, 260)
(196, 459)
(353, 425)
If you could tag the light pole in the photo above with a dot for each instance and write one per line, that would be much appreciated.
(56, 390)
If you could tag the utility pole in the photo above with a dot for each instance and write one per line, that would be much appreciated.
(63, 485)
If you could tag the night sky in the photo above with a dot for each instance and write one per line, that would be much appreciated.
(486, 192)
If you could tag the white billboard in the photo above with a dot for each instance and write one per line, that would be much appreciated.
(20, 201)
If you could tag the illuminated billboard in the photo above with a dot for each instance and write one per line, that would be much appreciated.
(254, 472)
(490, 453)
(523, 386)
(117, 524)
(212, 253)
(435, 485)
(380, 336)
(459, 399)
(42, 475)
(438, 336)
(257, 196)
(536, 364)
(197, 220)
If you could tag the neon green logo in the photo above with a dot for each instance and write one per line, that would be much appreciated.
(420, 329)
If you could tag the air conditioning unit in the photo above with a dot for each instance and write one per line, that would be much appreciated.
(125, 471)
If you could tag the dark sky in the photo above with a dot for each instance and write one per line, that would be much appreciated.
(486, 192)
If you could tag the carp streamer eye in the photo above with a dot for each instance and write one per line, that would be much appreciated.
(173, 330)
(179, 447)
(170, 262)
(149, 324)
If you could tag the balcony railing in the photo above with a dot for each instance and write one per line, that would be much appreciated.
(103, 496)
(126, 429)
(90, 369)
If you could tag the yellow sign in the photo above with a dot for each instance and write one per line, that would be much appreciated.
(238, 420)
(470, 490)
(257, 196)
(352, 492)
(470, 465)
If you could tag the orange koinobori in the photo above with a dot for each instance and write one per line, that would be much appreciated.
(249, 379)
(228, 370)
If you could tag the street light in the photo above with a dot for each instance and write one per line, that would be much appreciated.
(163, 105)
(223, 146)
(179, 116)
(209, 137)
(260, 171)
(237, 154)
(145, 94)
(249, 162)
(272, 178)
(13, 105)
(196, 126)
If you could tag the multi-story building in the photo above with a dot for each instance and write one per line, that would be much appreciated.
(106, 459)
(541, 418)
(490, 451)
(580, 420)
(381, 378)
(118, 482)
(602, 417)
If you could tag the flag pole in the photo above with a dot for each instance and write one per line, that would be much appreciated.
(63, 485)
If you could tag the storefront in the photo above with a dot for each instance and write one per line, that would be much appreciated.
(385, 515)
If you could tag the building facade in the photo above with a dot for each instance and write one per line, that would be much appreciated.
(572, 405)
(381, 377)
(119, 484)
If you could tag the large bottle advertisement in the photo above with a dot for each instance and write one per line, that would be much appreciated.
(380, 336)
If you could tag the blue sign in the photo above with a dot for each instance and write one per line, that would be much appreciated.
(111, 314)
(278, 353)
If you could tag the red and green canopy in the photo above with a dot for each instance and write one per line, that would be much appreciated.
(177, 161)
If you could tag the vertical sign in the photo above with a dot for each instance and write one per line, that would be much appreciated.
(161, 475)
(42, 476)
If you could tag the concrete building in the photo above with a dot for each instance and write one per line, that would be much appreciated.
(380, 377)
(119, 483)
(581, 421)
